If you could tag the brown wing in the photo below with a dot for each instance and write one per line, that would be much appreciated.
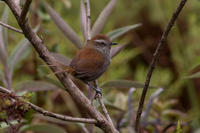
(88, 64)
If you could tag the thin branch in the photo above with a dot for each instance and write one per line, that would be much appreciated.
(25, 10)
(10, 27)
(87, 5)
(50, 114)
(99, 97)
(155, 59)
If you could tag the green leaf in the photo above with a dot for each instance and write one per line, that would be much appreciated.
(118, 32)
(116, 50)
(55, 82)
(35, 86)
(63, 26)
(4, 29)
(43, 128)
(62, 59)
(67, 3)
(109, 105)
(178, 127)
(3, 49)
(20, 52)
(173, 113)
(123, 84)
(101, 20)
(196, 63)
(1, 76)
(195, 75)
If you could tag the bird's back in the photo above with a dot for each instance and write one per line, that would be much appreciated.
(89, 64)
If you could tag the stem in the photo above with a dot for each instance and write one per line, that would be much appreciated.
(155, 60)
(10, 27)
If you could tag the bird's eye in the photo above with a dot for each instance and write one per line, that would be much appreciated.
(101, 42)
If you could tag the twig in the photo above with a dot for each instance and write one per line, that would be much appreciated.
(25, 10)
(87, 5)
(99, 97)
(85, 129)
(61, 117)
(51, 114)
(155, 59)
(10, 27)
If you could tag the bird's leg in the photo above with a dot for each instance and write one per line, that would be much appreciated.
(95, 87)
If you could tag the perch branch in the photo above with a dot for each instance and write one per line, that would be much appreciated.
(70, 87)
(25, 10)
(10, 27)
(47, 113)
(155, 59)
(99, 97)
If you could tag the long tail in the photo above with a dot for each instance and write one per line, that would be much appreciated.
(67, 69)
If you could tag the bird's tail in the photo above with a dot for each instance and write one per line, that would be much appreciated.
(65, 68)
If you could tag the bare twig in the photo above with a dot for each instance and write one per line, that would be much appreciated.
(61, 117)
(155, 59)
(10, 27)
(70, 87)
(50, 114)
(87, 5)
(25, 10)
(99, 97)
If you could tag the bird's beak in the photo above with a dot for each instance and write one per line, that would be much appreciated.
(114, 43)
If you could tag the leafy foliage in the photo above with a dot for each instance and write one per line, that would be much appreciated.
(178, 71)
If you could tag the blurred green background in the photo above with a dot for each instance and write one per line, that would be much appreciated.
(177, 71)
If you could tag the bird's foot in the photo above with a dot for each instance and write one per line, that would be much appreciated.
(98, 92)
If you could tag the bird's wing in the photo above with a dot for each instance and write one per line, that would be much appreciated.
(87, 63)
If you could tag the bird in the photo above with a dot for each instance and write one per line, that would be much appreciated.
(92, 60)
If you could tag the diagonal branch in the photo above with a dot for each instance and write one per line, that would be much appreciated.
(99, 97)
(25, 10)
(10, 27)
(70, 87)
(50, 114)
(155, 60)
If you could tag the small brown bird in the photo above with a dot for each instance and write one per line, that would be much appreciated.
(92, 61)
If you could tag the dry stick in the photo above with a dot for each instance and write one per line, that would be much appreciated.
(25, 10)
(155, 59)
(10, 27)
(100, 100)
(70, 87)
(99, 97)
(87, 5)
(50, 114)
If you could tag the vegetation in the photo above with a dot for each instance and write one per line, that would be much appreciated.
(172, 103)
